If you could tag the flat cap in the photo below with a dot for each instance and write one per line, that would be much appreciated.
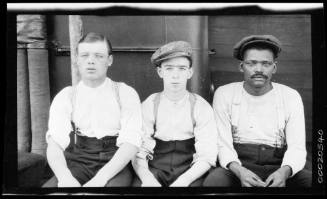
(269, 40)
(172, 50)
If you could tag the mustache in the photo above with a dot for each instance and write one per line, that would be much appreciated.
(259, 75)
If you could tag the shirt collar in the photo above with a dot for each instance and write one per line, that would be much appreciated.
(269, 93)
(83, 86)
(181, 101)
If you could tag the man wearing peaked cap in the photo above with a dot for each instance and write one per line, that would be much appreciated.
(171, 50)
(260, 123)
(180, 138)
(267, 40)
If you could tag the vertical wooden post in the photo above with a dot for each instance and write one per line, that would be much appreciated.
(38, 72)
(23, 102)
(75, 33)
(33, 74)
(193, 29)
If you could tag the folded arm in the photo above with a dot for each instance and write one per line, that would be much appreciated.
(58, 164)
(140, 162)
(222, 112)
(206, 139)
(121, 158)
(295, 155)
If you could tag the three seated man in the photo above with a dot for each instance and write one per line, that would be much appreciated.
(101, 135)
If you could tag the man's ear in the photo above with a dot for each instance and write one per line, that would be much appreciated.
(110, 60)
(240, 67)
(159, 71)
(275, 67)
(190, 73)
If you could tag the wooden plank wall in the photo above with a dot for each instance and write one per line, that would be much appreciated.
(125, 32)
(134, 40)
(294, 64)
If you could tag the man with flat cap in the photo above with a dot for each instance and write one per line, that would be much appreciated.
(260, 123)
(180, 134)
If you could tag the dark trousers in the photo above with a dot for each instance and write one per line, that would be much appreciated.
(88, 156)
(263, 160)
(170, 160)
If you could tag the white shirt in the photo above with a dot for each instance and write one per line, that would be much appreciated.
(174, 122)
(258, 123)
(258, 119)
(96, 113)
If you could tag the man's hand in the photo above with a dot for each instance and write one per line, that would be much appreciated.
(247, 177)
(250, 179)
(99, 180)
(68, 181)
(181, 182)
(279, 177)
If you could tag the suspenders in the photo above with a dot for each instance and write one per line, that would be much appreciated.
(236, 104)
(116, 90)
(281, 119)
(192, 98)
(73, 99)
(156, 102)
(115, 86)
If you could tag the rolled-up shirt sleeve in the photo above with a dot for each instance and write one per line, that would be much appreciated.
(131, 117)
(222, 110)
(59, 125)
(295, 155)
(148, 143)
(205, 132)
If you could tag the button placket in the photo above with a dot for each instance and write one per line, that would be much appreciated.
(172, 157)
(251, 121)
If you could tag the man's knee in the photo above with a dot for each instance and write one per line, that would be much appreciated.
(198, 182)
(52, 182)
(136, 182)
(302, 179)
(220, 177)
(123, 179)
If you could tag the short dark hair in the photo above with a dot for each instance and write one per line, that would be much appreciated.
(190, 59)
(94, 37)
(260, 46)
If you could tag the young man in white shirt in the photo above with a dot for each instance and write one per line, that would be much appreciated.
(180, 136)
(94, 127)
(260, 123)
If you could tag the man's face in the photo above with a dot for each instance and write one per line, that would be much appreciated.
(175, 72)
(93, 60)
(258, 66)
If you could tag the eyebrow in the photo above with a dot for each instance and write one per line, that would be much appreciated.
(96, 53)
(184, 66)
(259, 60)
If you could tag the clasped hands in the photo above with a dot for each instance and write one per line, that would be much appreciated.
(276, 179)
(98, 180)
